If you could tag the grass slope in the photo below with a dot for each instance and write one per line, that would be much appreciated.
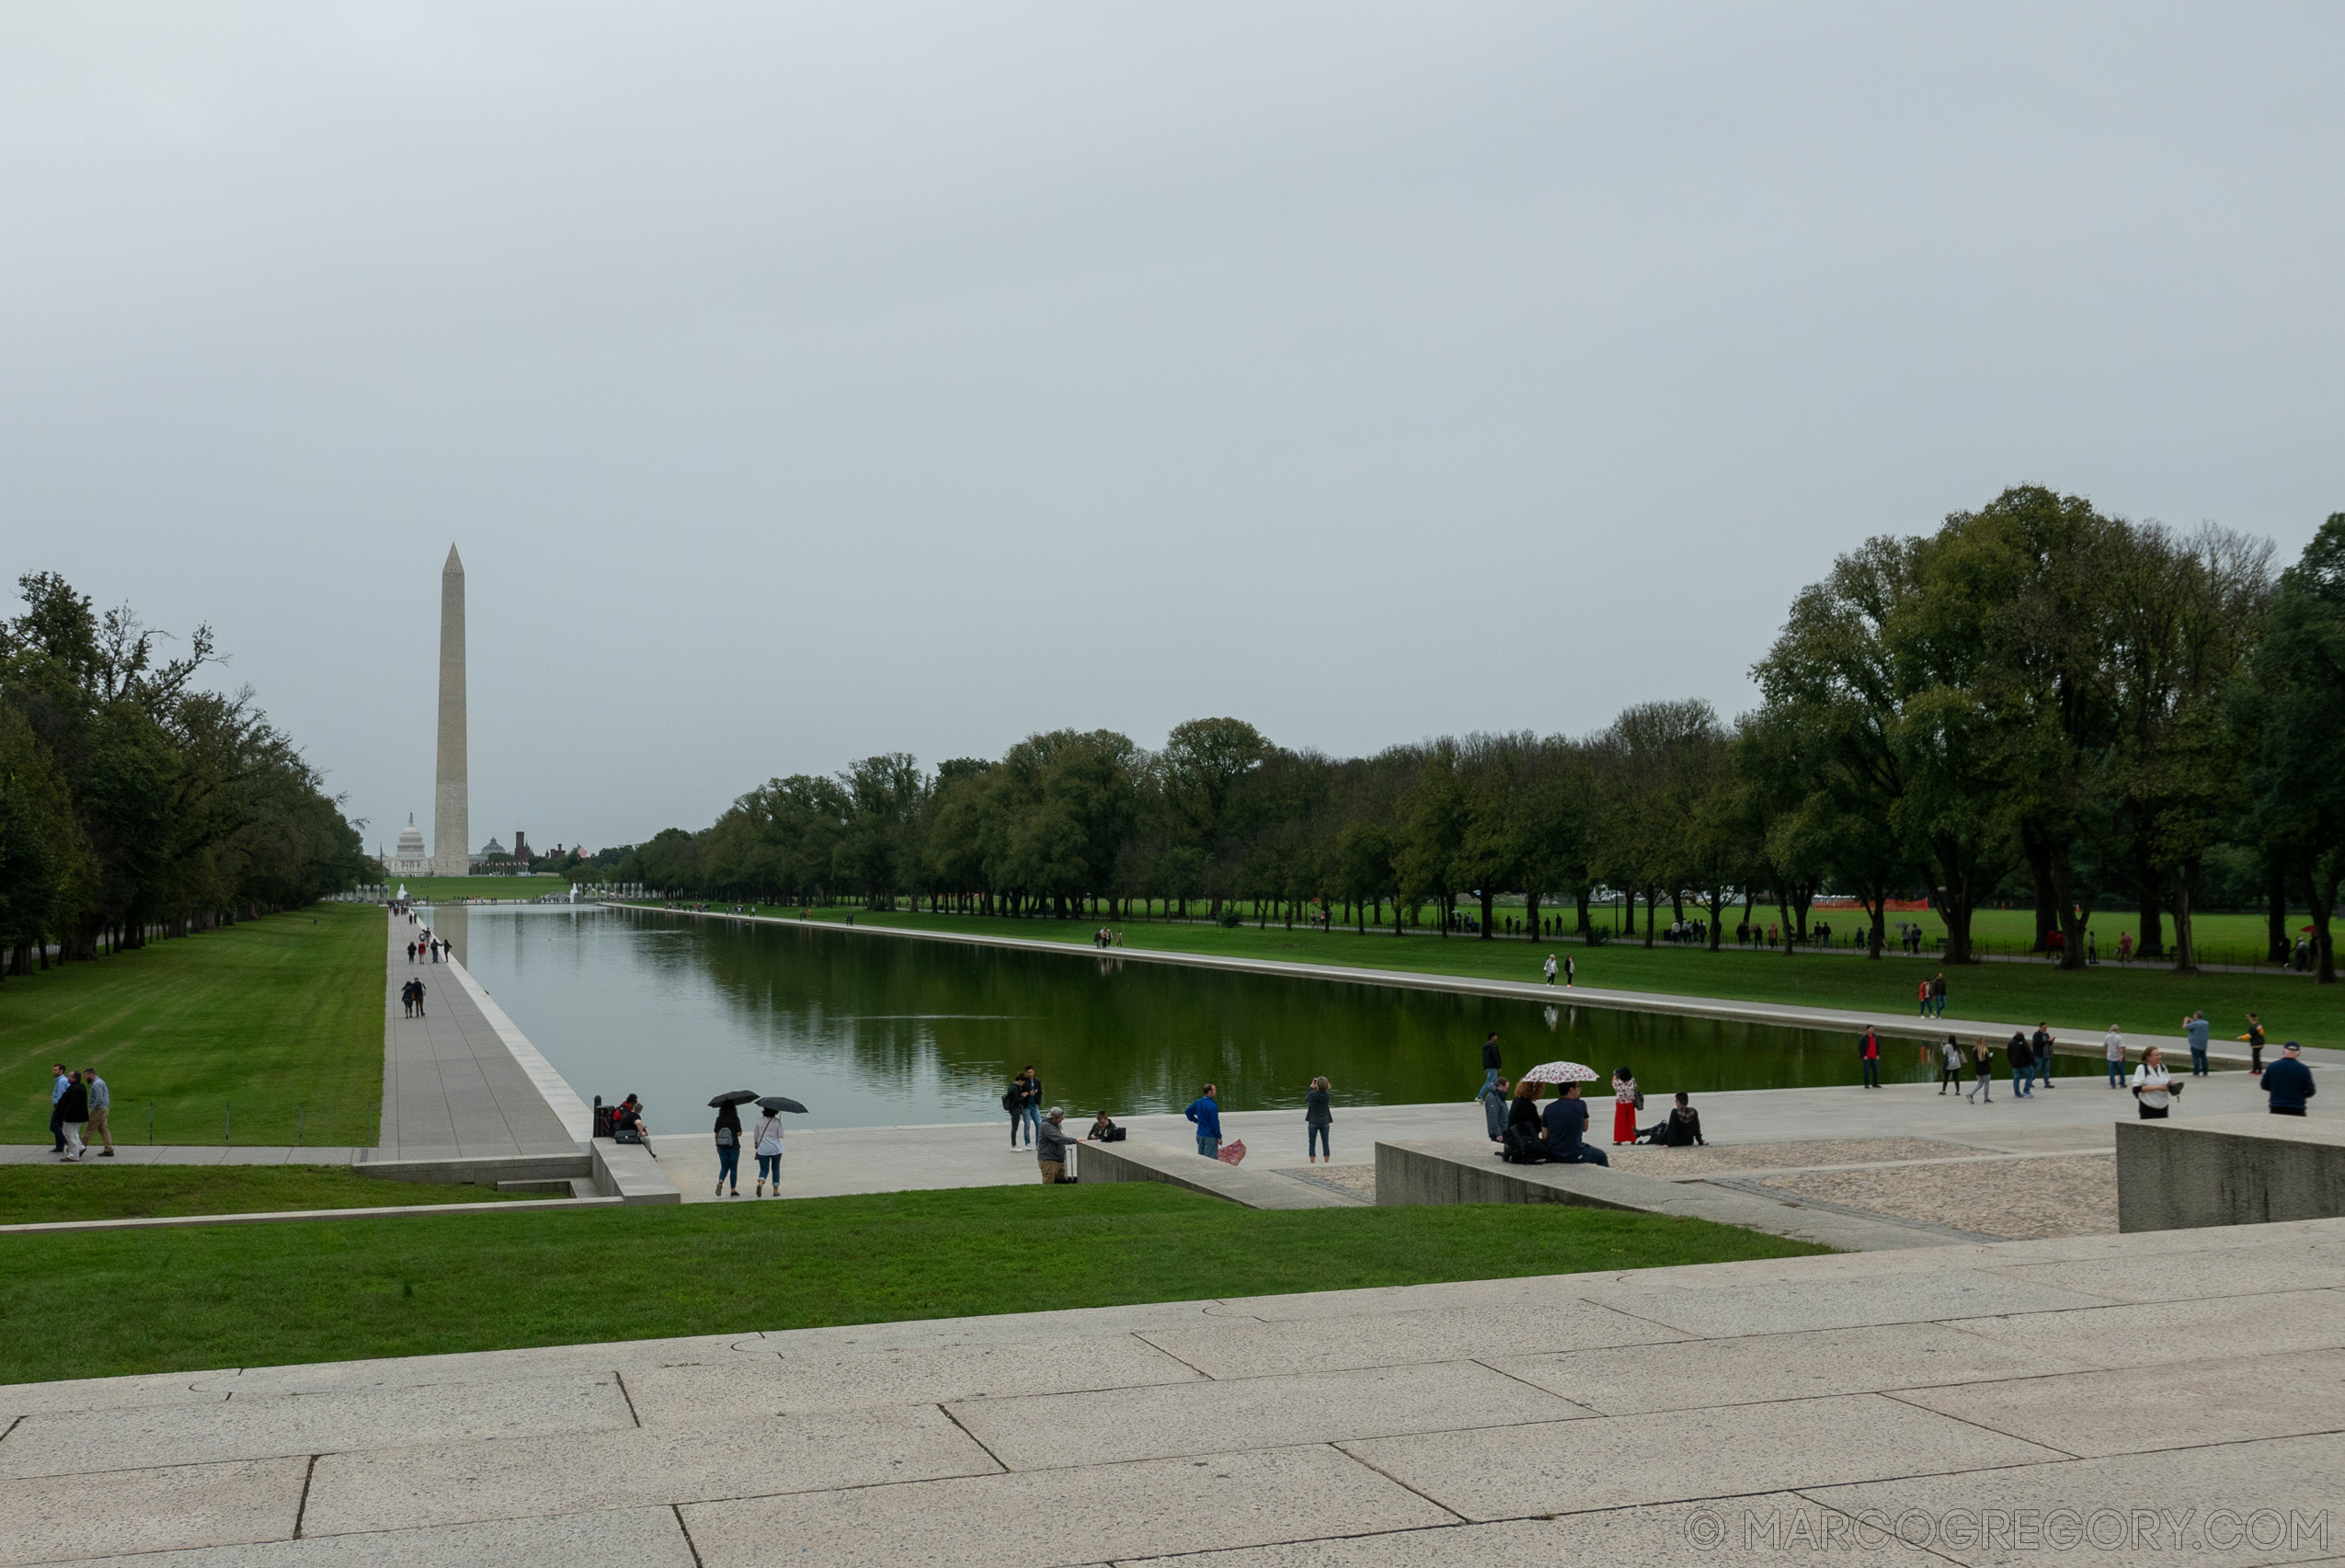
(36, 1194)
(149, 1301)
(267, 1015)
(2137, 997)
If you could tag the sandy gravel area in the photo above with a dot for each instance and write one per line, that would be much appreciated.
(1647, 1160)
(2072, 1195)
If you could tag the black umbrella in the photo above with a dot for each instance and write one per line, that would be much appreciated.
(734, 1097)
(772, 1103)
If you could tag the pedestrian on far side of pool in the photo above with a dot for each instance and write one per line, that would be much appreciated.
(1550, 969)
(1206, 1112)
(101, 1100)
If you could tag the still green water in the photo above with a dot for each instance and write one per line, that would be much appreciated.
(871, 1030)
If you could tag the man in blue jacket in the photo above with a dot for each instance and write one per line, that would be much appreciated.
(1208, 1115)
(2289, 1082)
(1567, 1126)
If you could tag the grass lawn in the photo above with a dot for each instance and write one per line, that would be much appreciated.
(321, 1290)
(441, 889)
(97, 1190)
(2138, 998)
(279, 1018)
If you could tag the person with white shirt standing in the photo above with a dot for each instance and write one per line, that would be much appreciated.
(2112, 1045)
(768, 1143)
(2154, 1087)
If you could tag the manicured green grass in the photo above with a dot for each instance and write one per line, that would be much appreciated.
(99, 1190)
(2138, 998)
(279, 1019)
(318, 1290)
(427, 890)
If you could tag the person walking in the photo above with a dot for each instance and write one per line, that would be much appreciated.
(2195, 1030)
(728, 1150)
(767, 1140)
(1317, 1119)
(72, 1114)
(1489, 1060)
(1552, 968)
(1050, 1148)
(1922, 990)
(1983, 1065)
(418, 985)
(1206, 1112)
(1868, 1057)
(101, 1100)
(1493, 1109)
(2154, 1087)
(1571, 970)
(2254, 1037)
(1627, 1100)
(2041, 1046)
(2022, 1060)
(1950, 1064)
(1937, 994)
(57, 1081)
(2288, 1083)
(2112, 1047)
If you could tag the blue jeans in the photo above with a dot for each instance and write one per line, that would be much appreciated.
(1315, 1140)
(1209, 1147)
(728, 1165)
(2117, 1075)
(2198, 1061)
(2020, 1080)
(1587, 1154)
(1872, 1073)
(1034, 1119)
(1493, 1113)
(769, 1168)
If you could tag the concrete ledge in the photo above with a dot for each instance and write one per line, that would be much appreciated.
(1132, 1161)
(2235, 1169)
(1467, 1170)
(486, 1170)
(284, 1216)
(628, 1172)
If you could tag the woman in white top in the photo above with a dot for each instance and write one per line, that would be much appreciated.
(2154, 1087)
(2112, 1045)
(767, 1143)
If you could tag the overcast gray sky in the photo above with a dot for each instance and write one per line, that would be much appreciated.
(806, 381)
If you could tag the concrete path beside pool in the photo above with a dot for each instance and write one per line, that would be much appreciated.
(2169, 1396)
(826, 1163)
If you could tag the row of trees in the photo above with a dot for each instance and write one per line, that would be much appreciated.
(2036, 701)
(134, 803)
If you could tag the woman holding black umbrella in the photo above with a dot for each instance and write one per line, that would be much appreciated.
(767, 1143)
(729, 1149)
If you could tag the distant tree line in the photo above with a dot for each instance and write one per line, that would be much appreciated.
(2035, 702)
(133, 803)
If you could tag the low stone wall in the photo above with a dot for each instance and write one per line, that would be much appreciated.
(486, 1170)
(2236, 1170)
(628, 1172)
(1135, 1161)
(1466, 1169)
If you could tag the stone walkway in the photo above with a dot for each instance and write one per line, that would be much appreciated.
(2169, 1396)
(462, 1083)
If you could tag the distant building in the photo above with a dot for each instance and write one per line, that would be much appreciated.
(410, 859)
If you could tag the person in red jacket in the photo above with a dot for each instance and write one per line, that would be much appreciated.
(1869, 1052)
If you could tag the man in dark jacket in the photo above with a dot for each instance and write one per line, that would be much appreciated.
(2289, 1082)
(1489, 1062)
(2023, 1061)
(1567, 1126)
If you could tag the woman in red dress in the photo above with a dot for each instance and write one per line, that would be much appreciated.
(1624, 1106)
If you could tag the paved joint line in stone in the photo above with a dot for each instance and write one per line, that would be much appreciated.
(1899, 1395)
(1378, 1470)
(1822, 1506)
(1184, 1360)
(620, 1377)
(686, 1531)
(301, 1510)
(945, 1411)
(1308, 1540)
(12, 1424)
(1577, 1405)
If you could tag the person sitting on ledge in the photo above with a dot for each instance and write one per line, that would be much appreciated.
(1521, 1144)
(1567, 1126)
(1104, 1130)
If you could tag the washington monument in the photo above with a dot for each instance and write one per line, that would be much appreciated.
(451, 835)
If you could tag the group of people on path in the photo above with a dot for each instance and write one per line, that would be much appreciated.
(765, 1137)
(411, 998)
(78, 1104)
(428, 949)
